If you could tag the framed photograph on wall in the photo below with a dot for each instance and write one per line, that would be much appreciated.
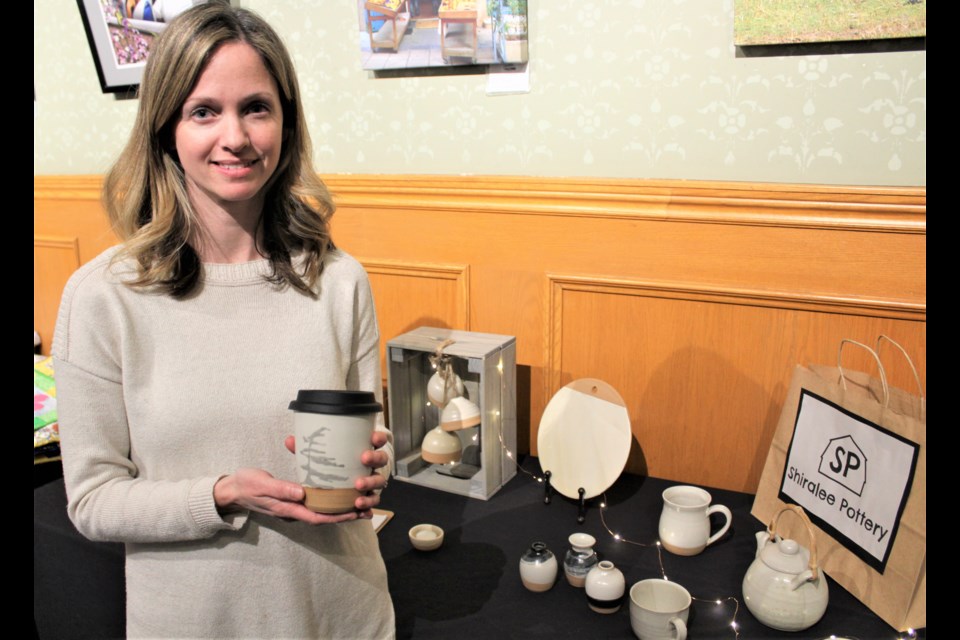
(412, 34)
(759, 22)
(120, 33)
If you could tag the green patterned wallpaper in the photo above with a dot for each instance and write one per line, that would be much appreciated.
(619, 89)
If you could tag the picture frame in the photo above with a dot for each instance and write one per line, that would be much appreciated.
(120, 32)
(791, 22)
(441, 35)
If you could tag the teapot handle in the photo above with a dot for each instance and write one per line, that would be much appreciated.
(797, 509)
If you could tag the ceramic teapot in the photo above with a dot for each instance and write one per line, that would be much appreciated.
(782, 587)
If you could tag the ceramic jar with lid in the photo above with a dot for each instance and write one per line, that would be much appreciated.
(580, 558)
(538, 567)
(605, 586)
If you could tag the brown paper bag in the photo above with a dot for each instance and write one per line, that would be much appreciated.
(898, 595)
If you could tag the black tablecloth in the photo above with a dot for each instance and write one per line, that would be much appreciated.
(470, 587)
(78, 586)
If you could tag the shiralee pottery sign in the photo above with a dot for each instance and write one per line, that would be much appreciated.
(851, 476)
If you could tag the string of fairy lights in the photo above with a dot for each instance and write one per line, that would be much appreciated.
(909, 634)
(619, 538)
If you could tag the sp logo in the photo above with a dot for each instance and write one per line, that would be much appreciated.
(844, 462)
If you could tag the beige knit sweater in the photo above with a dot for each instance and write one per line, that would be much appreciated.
(158, 398)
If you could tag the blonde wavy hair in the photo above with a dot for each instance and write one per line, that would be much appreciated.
(145, 193)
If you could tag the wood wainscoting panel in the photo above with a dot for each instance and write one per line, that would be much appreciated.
(66, 211)
(695, 299)
(55, 258)
(71, 206)
(408, 295)
(704, 371)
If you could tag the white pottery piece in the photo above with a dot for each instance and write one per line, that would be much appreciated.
(460, 413)
(426, 537)
(659, 610)
(332, 429)
(605, 586)
(584, 438)
(440, 447)
(685, 520)
(783, 588)
(579, 559)
(440, 392)
(538, 568)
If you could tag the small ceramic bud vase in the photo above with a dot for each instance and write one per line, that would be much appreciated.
(538, 567)
(580, 558)
(605, 587)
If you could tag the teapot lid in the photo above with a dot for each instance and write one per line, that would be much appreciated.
(785, 556)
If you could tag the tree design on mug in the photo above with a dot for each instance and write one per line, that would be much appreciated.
(315, 453)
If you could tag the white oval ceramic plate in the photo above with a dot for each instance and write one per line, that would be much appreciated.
(584, 438)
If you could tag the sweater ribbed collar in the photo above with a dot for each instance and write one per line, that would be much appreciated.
(243, 273)
(236, 273)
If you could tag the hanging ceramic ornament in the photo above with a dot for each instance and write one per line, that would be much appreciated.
(440, 447)
(459, 413)
(442, 390)
(444, 385)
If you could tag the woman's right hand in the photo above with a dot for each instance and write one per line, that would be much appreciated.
(257, 490)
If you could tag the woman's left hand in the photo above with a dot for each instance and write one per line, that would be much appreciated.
(370, 485)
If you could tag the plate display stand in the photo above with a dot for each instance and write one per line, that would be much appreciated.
(581, 499)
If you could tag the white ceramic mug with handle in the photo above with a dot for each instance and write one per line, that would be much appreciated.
(685, 520)
(659, 610)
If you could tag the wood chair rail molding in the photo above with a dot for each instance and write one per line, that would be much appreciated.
(897, 209)
(901, 210)
(694, 299)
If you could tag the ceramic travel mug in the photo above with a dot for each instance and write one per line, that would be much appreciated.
(659, 610)
(685, 520)
(332, 430)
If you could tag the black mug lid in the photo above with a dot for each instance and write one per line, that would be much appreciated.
(336, 402)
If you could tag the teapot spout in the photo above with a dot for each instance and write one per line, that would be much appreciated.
(800, 579)
(762, 538)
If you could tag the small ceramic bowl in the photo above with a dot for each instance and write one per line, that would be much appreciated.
(426, 537)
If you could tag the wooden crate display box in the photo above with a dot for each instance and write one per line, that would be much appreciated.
(487, 365)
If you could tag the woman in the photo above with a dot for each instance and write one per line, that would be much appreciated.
(178, 353)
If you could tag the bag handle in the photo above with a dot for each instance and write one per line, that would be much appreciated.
(883, 374)
(797, 509)
(916, 376)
